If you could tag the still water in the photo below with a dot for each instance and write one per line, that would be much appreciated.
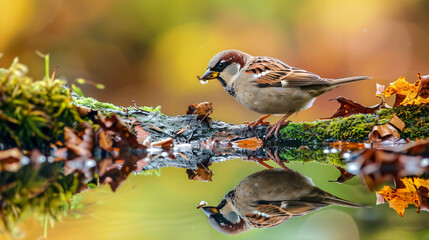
(164, 207)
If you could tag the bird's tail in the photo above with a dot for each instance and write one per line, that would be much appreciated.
(341, 81)
(334, 200)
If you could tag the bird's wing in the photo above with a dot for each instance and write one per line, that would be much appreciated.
(267, 215)
(271, 72)
(288, 207)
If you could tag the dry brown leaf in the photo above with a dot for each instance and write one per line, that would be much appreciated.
(377, 166)
(344, 175)
(165, 144)
(202, 110)
(141, 134)
(349, 107)
(387, 131)
(9, 159)
(182, 130)
(104, 140)
(202, 173)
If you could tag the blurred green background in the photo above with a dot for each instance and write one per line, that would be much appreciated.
(152, 51)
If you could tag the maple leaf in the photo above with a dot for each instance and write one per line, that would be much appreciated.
(408, 191)
(401, 87)
(407, 93)
(349, 107)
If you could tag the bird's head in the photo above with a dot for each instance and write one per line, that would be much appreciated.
(225, 66)
(225, 217)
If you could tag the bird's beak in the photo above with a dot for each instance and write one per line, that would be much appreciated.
(209, 75)
(210, 210)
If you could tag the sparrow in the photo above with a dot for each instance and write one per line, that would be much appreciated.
(267, 85)
(268, 198)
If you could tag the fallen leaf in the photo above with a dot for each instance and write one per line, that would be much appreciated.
(407, 93)
(141, 134)
(401, 87)
(182, 130)
(349, 107)
(10, 160)
(165, 144)
(250, 143)
(202, 173)
(104, 140)
(202, 110)
(386, 131)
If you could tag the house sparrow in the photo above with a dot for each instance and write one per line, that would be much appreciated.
(268, 198)
(267, 85)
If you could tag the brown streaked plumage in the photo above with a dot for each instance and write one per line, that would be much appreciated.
(268, 198)
(267, 85)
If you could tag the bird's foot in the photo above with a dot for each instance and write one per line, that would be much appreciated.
(260, 161)
(275, 157)
(275, 128)
(259, 121)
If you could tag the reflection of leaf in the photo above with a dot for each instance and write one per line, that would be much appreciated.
(344, 175)
(250, 143)
(202, 173)
(377, 165)
(349, 107)
(9, 159)
(141, 134)
(408, 191)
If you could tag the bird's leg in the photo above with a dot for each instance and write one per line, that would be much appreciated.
(276, 127)
(259, 121)
(275, 157)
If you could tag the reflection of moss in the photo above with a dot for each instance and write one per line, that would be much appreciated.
(307, 155)
(46, 191)
(356, 128)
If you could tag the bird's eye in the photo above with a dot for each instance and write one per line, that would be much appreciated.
(221, 64)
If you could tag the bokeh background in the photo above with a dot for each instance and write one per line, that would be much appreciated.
(152, 51)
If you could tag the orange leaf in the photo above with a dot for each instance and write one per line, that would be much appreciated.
(182, 130)
(202, 110)
(140, 134)
(409, 193)
(409, 94)
(250, 143)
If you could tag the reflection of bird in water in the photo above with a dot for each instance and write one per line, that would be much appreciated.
(267, 198)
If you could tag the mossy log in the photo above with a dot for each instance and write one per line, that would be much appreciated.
(355, 128)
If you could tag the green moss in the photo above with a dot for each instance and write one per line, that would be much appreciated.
(33, 113)
(357, 128)
(95, 104)
(309, 155)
